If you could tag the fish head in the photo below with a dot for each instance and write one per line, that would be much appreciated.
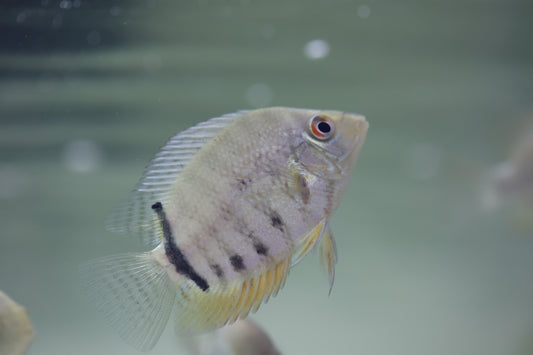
(332, 142)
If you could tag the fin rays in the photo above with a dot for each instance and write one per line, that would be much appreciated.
(134, 294)
(224, 305)
(134, 216)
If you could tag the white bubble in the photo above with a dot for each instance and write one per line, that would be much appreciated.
(65, 4)
(13, 181)
(363, 11)
(316, 49)
(82, 156)
(259, 95)
(94, 38)
(423, 161)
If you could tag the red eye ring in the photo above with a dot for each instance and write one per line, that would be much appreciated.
(321, 127)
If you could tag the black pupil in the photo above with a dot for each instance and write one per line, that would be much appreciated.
(324, 127)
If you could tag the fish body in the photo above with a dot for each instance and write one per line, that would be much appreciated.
(231, 203)
(512, 180)
(16, 331)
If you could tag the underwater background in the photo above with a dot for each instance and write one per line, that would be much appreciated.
(89, 91)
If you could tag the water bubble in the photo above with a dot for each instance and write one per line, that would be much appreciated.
(316, 49)
(259, 95)
(115, 11)
(94, 38)
(13, 181)
(65, 4)
(423, 161)
(268, 31)
(82, 156)
(363, 11)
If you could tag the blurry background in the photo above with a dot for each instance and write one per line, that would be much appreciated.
(89, 91)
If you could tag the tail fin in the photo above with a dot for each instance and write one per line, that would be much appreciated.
(134, 293)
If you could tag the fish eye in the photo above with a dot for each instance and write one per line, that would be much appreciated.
(321, 127)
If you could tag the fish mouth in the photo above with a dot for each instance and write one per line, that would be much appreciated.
(360, 129)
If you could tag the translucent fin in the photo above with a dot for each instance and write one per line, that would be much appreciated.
(328, 255)
(135, 216)
(308, 242)
(198, 311)
(134, 293)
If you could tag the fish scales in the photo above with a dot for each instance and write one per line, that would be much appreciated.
(235, 201)
(218, 168)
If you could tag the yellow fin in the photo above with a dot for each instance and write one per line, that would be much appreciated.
(199, 311)
(308, 242)
(328, 255)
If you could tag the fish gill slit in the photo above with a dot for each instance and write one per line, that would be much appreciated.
(173, 252)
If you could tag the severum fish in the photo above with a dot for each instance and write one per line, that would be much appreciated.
(16, 331)
(230, 205)
(512, 180)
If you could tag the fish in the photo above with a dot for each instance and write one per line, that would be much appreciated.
(512, 180)
(16, 331)
(244, 337)
(228, 206)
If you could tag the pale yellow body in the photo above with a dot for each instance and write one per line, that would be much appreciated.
(234, 202)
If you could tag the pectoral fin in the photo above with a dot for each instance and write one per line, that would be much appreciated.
(328, 255)
(307, 243)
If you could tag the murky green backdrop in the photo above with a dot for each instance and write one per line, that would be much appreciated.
(89, 90)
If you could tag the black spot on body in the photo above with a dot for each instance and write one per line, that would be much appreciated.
(276, 220)
(217, 270)
(243, 183)
(158, 207)
(261, 249)
(237, 262)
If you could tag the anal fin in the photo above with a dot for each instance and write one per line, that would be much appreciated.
(199, 311)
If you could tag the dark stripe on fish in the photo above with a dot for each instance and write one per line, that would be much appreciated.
(261, 249)
(174, 254)
(217, 270)
(237, 262)
(276, 220)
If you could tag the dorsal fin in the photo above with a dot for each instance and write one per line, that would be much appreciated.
(135, 216)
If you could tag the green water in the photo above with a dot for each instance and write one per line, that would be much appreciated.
(90, 90)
